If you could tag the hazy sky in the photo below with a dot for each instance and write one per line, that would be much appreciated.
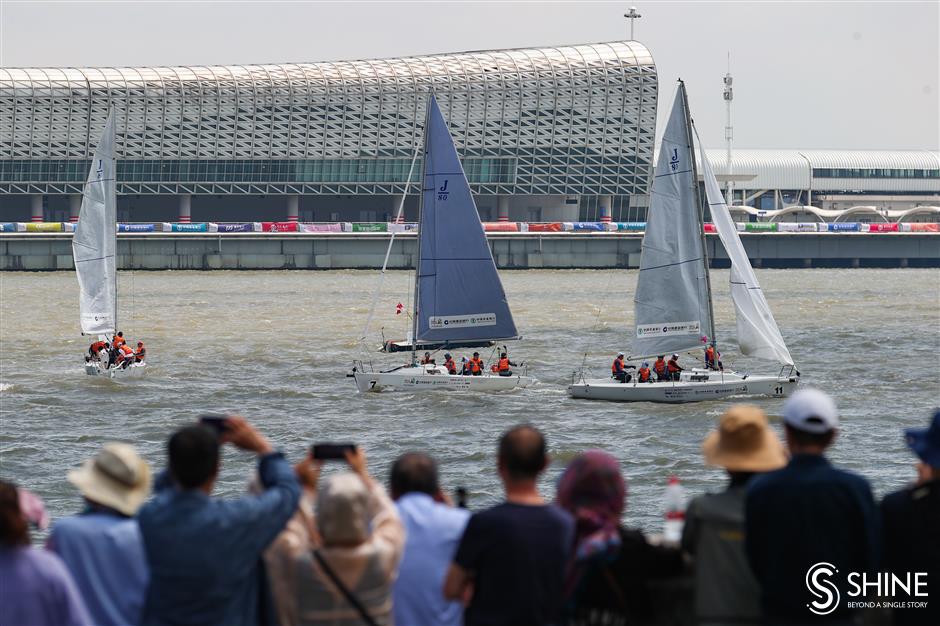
(806, 74)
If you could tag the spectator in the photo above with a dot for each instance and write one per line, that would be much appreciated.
(35, 586)
(337, 567)
(432, 529)
(610, 566)
(102, 547)
(912, 524)
(204, 553)
(807, 513)
(725, 589)
(510, 564)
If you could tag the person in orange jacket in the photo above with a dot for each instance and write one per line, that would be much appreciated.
(618, 370)
(503, 365)
(660, 368)
(673, 367)
(476, 365)
(643, 374)
(449, 364)
(125, 356)
(118, 340)
(140, 353)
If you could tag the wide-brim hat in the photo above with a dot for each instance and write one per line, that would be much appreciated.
(744, 442)
(117, 477)
(925, 442)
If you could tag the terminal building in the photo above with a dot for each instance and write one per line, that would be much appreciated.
(545, 134)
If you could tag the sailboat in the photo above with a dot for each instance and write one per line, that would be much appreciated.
(673, 299)
(94, 247)
(458, 297)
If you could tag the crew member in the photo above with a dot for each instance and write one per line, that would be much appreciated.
(95, 349)
(643, 374)
(673, 367)
(449, 364)
(476, 365)
(140, 353)
(118, 340)
(618, 370)
(660, 368)
(125, 356)
(502, 366)
(465, 366)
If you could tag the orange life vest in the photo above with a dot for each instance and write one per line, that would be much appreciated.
(476, 365)
(117, 342)
(140, 353)
(97, 347)
(614, 369)
(673, 366)
(503, 365)
(660, 366)
(644, 374)
(451, 366)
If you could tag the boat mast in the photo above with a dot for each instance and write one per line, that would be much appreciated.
(700, 214)
(414, 308)
(111, 191)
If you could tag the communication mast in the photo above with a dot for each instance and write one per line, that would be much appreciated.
(729, 134)
(632, 16)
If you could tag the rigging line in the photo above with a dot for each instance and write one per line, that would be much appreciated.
(388, 252)
(597, 317)
(659, 267)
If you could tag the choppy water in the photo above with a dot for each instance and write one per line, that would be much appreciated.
(275, 346)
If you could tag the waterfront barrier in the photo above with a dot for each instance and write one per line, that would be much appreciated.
(490, 227)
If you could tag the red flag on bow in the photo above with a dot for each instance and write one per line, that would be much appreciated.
(399, 308)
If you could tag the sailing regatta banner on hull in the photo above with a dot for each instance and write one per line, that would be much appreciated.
(462, 321)
(456, 273)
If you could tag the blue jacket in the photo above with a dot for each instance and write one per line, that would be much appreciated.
(204, 553)
(806, 513)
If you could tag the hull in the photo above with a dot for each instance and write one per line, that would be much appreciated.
(405, 346)
(434, 378)
(697, 386)
(137, 369)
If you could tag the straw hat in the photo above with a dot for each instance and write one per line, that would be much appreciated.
(116, 477)
(744, 442)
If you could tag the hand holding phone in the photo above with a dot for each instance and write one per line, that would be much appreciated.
(215, 421)
(331, 451)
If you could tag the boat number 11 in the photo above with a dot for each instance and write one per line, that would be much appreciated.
(778, 391)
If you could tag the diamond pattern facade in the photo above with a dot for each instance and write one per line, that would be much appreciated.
(576, 120)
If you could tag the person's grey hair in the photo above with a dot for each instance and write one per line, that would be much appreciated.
(343, 515)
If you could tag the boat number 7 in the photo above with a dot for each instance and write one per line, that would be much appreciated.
(372, 384)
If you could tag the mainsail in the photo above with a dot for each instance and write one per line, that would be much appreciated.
(459, 294)
(758, 334)
(94, 242)
(671, 302)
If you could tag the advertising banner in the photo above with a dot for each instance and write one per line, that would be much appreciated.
(235, 227)
(279, 227)
(367, 227)
(554, 227)
(501, 227)
(136, 228)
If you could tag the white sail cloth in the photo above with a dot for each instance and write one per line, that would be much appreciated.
(758, 334)
(94, 243)
(671, 300)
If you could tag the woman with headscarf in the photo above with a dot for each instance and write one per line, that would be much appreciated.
(607, 579)
(337, 566)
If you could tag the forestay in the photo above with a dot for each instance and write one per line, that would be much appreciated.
(671, 300)
(758, 334)
(460, 296)
(94, 242)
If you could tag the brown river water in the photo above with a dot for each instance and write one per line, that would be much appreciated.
(275, 346)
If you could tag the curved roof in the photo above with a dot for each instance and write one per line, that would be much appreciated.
(792, 169)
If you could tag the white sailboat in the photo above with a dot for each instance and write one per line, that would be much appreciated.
(673, 299)
(94, 248)
(458, 295)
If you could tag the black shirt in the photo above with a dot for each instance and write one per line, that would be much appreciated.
(517, 554)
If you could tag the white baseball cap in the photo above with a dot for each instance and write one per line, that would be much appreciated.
(812, 411)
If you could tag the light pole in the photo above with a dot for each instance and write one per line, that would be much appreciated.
(632, 16)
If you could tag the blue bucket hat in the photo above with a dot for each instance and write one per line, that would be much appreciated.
(925, 442)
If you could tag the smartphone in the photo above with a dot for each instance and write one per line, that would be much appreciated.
(461, 497)
(331, 451)
(215, 421)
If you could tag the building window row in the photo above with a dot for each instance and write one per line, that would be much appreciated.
(478, 170)
(873, 172)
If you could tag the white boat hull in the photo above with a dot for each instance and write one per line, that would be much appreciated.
(695, 386)
(435, 377)
(93, 368)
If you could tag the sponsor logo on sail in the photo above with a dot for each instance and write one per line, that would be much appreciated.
(442, 193)
(668, 328)
(462, 321)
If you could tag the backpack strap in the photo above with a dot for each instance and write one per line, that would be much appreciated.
(350, 598)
